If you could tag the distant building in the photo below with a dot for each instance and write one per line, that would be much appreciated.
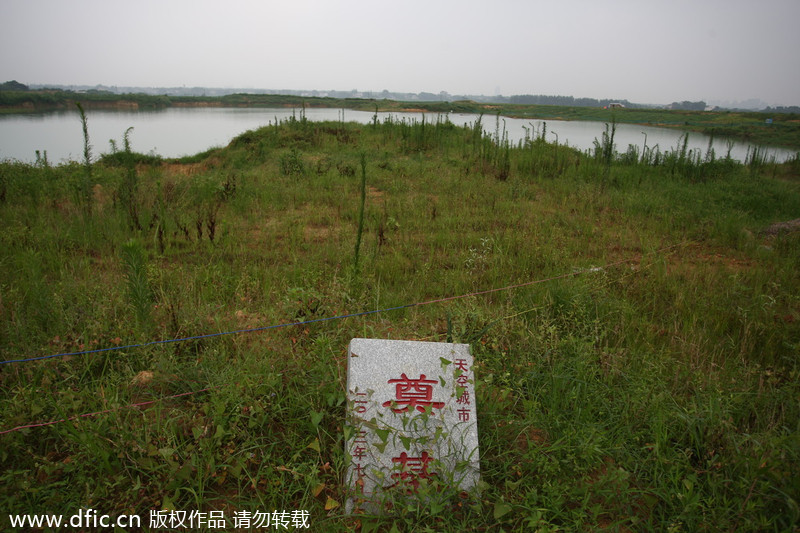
(612, 105)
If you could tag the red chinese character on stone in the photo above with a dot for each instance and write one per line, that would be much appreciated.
(464, 398)
(413, 394)
(461, 364)
(360, 408)
(413, 469)
(463, 415)
(359, 452)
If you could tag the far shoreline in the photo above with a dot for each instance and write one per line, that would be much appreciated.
(758, 127)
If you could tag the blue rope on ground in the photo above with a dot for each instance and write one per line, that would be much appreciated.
(205, 336)
(317, 320)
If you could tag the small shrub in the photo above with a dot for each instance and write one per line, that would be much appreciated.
(292, 163)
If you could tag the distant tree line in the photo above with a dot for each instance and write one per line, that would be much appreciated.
(16, 95)
(782, 109)
(543, 99)
(153, 97)
(702, 106)
(13, 85)
(689, 106)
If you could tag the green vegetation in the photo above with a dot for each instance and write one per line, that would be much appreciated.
(651, 384)
(18, 101)
(751, 126)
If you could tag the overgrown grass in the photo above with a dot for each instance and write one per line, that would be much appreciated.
(653, 390)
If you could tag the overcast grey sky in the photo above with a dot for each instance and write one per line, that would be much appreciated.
(646, 51)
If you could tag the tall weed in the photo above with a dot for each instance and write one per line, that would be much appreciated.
(83, 189)
(138, 290)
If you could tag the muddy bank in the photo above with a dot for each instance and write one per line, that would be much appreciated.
(196, 104)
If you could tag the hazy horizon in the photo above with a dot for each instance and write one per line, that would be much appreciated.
(751, 103)
(656, 52)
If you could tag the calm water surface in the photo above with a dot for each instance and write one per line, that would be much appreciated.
(177, 132)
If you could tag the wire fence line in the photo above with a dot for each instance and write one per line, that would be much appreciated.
(282, 325)
(312, 321)
(105, 411)
(204, 336)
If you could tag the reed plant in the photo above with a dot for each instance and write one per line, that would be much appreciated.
(84, 193)
(605, 151)
(128, 190)
(362, 203)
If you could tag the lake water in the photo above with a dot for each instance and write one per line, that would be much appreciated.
(176, 132)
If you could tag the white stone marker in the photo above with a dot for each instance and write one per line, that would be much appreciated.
(412, 425)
